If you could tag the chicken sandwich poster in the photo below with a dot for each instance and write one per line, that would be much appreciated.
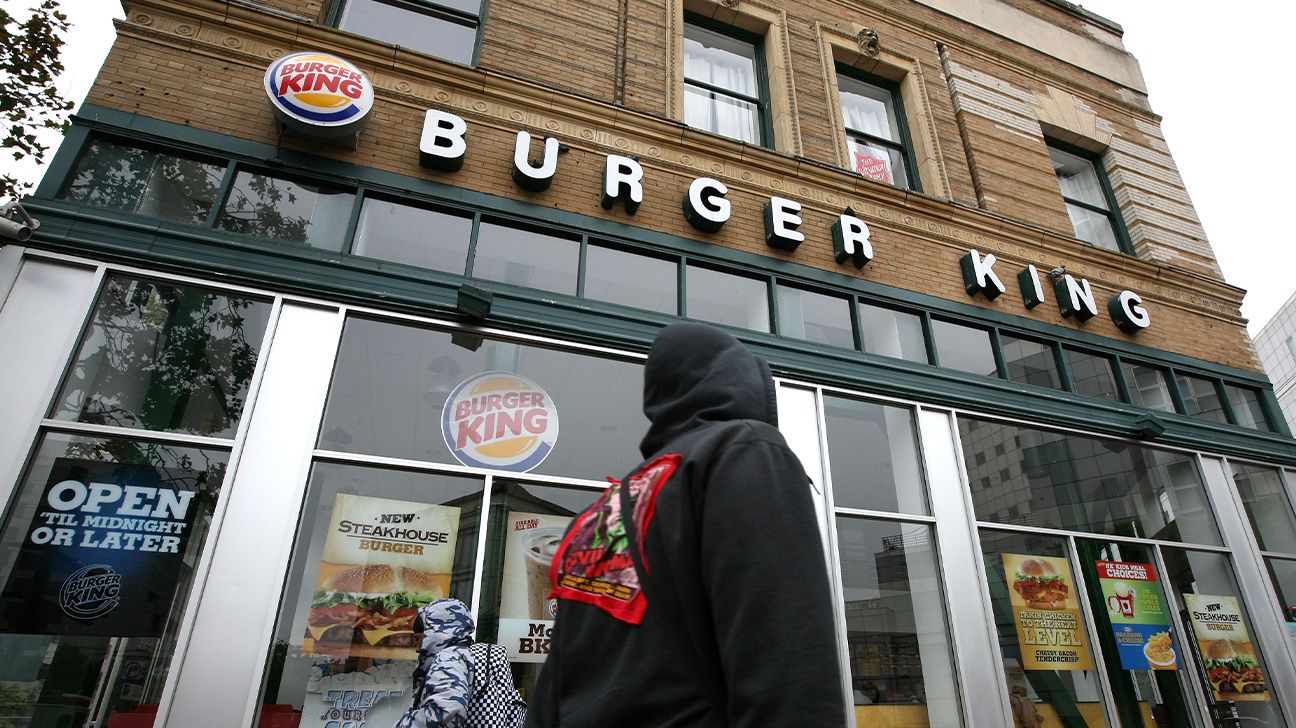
(1049, 627)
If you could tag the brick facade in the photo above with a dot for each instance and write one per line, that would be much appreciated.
(559, 68)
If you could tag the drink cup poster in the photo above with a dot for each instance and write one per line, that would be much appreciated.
(1139, 618)
(1227, 653)
(382, 560)
(1049, 627)
(526, 611)
(103, 551)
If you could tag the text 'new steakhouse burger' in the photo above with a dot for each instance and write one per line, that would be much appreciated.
(373, 604)
(1040, 585)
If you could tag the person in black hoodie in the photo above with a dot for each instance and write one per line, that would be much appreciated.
(694, 593)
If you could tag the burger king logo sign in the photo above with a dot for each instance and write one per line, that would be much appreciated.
(318, 94)
(500, 420)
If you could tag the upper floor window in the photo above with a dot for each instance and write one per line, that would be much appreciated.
(442, 28)
(1089, 198)
(724, 90)
(876, 135)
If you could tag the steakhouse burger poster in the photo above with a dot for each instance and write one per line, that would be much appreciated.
(1047, 615)
(382, 560)
(1226, 650)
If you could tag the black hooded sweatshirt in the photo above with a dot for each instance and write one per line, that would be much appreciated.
(732, 626)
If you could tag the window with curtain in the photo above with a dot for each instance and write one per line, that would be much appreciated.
(723, 91)
(875, 129)
(442, 28)
(1089, 200)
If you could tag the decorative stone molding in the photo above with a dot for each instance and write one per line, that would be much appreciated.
(1063, 116)
(869, 42)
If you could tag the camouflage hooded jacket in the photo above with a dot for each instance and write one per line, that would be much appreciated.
(443, 677)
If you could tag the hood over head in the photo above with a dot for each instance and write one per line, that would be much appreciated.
(697, 374)
(446, 622)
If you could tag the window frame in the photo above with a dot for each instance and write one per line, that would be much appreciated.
(905, 145)
(764, 120)
(424, 8)
(1113, 214)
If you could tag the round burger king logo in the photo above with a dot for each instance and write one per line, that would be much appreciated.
(500, 420)
(319, 94)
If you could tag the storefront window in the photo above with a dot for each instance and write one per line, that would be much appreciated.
(873, 451)
(526, 258)
(129, 178)
(897, 637)
(413, 235)
(1222, 638)
(1092, 374)
(526, 524)
(964, 348)
(1283, 574)
(1047, 479)
(728, 299)
(815, 317)
(1200, 398)
(97, 559)
(307, 213)
(1030, 362)
(392, 382)
(1148, 387)
(892, 333)
(1267, 507)
(1051, 681)
(630, 279)
(373, 545)
(1248, 410)
(165, 357)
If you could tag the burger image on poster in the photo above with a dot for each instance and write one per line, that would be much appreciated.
(319, 95)
(1040, 585)
(500, 420)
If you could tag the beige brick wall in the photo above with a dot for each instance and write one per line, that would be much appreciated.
(204, 71)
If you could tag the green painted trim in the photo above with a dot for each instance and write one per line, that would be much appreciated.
(205, 143)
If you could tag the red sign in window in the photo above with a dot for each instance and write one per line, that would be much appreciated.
(875, 168)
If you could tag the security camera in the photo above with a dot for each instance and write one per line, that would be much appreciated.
(19, 230)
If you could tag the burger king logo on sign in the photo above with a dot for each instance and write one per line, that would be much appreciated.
(500, 420)
(319, 94)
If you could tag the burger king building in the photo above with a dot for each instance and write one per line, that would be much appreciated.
(336, 307)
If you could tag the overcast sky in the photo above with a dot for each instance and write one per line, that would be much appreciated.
(1219, 79)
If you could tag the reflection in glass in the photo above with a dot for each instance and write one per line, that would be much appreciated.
(630, 279)
(414, 235)
(1092, 227)
(165, 357)
(815, 317)
(309, 213)
(525, 520)
(896, 632)
(1200, 398)
(392, 382)
(873, 451)
(1248, 410)
(892, 333)
(724, 298)
(435, 34)
(50, 675)
(1092, 374)
(349, 624)
(1210, 574)
(1055, 480)
(964, 348)
(526, 258)
(1148, 387)
(1144, 696)
(1030, 362)
(1267, 506)
(1060, 697)
(1283, 574)
(128, 178)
